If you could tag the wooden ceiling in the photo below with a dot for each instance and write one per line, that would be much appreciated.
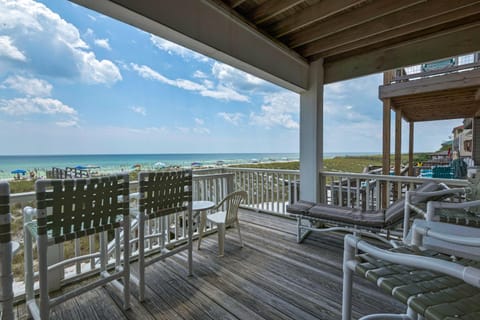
(338, 29)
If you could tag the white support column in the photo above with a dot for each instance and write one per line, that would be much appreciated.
(311, 135)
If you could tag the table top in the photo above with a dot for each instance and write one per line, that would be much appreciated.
(201, 205)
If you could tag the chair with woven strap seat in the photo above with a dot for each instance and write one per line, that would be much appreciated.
(436, 274)
(68, 210)
(161, 194)
(6, 276)
(227, 215)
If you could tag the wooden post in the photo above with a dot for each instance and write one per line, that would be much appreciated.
(398, 141)
(387, 77)
(411, 140)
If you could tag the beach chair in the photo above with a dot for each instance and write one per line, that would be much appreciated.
(368, 222)
(225, 215)
(435, 273)
(6, 276)
(161, 194)
(70, 209)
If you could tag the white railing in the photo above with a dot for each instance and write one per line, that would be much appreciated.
(366, 191)
(268, 190)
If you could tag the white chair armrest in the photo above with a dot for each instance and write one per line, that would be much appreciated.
(432, 206)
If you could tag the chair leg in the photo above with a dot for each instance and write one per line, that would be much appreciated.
(201, 227)
(239, 234)
(43, 276)
(141, 259)
(221, 238)
(348, 257)
(126, 262)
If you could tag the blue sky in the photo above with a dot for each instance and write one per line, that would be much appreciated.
(74, 81)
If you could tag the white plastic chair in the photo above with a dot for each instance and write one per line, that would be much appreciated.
(68, 210)
(228, 216)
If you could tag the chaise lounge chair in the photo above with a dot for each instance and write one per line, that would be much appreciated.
(358, 221)
(436, 273)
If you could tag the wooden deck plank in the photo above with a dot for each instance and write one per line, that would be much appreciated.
(272, 277)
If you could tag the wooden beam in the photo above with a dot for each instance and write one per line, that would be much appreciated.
(270, 9)
(395, 25)
(411, 139)
(457, 80)
(457, 41)
(371, 11)
(236, 3)
(398, 141)
(309, 15)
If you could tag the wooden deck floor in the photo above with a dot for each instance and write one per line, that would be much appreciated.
(272, 277)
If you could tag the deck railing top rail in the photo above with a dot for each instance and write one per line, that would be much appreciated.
(262, 170)
(455, 182)
(434, 68)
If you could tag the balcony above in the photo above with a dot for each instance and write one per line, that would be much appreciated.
(429, 93)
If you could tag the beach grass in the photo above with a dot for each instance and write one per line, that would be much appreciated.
(355, 164)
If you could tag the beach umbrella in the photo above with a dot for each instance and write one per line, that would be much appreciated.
(81, 167)
(159, 165)
(137, 166)
(18, 171)
(196, 164)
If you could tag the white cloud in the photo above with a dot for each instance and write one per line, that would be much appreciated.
(201, 130)
(25, 106)
(221, 92)
(67, 123)
(103, 43)
(278, 109)
(29, 86)
(236, 79)
(8, 50)
(199, 74)
(224, 93)
(233, 118)
(139, 110)
(173, 48)
(45, 37)
(199, 122)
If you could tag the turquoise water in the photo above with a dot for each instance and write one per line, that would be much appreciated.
(118, 162)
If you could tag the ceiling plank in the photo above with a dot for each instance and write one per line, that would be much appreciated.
(270, 9)
(460, 40)
(348, 20)
(309, 15)
(236, 3)
(370, 33)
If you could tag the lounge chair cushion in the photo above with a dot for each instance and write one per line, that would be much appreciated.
(351, 216)
(394, 213)
(300, 207)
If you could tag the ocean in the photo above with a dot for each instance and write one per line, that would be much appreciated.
(108, 163)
